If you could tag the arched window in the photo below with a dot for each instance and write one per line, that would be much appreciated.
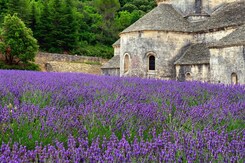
(234, 78)
(126, 63)
(188, 76)
(152, 65)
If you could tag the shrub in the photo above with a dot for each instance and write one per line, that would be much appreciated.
(23, 66)
(18, 43)
(97, 50)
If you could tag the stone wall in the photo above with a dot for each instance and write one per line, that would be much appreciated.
(211, 5)
(47, 57)
(225, 61)
(193, 72)
(212, 36)
(69, 63)
(111, 71)
(72, 67)
(165, 46)
(117, 50)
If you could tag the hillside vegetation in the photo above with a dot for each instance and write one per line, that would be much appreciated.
(83, 27)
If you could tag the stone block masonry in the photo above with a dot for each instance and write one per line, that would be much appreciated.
(52, 62)
(72, 67)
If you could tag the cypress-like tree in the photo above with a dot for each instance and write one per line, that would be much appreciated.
(58, 26)
(3, 9)
(43, 27)
(70, 26)
(21, 8)
(108, 9)
(56, 34)
(34, 16)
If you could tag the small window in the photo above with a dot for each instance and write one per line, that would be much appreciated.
(188, 76)
(152, 63)
(126, 63)
(234, 78)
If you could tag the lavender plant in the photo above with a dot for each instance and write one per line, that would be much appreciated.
(71, 117)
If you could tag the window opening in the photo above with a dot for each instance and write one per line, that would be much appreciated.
(152, 65)
(234, 78)
(126, 63)
(188, 76)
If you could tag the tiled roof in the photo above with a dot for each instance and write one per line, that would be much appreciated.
(236, 38)
(165, 18)
(114, 62)
(195, 54)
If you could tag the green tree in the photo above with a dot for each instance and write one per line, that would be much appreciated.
(21, 8)
(90, 25)
(129, 7)
(125, 19)
(43, 26)
(3, 9)
(34, 16)
(56, 34)
(108, 10)
(57, 30)
(69, 26)
(144, 5)
(17, 41)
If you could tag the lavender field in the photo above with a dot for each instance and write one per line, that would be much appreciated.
(69, 117)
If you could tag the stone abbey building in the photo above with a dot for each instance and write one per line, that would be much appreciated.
(184, 40)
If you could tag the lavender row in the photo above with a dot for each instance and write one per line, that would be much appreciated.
(156, 120)
(207, 146)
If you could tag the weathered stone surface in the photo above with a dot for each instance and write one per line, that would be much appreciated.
(44, 57)
(188, 6)
(225, 61)
(111, 71)
(168, 34)
(236, 38)
(163, 45)
(72, 67)
(69, 63)
(213, 36)
(196, 72)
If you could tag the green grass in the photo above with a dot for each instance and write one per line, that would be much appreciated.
(36, 98)
(28, 133)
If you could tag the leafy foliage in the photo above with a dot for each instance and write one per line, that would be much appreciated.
(23, 66)
(66, 26)
(18, 43)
